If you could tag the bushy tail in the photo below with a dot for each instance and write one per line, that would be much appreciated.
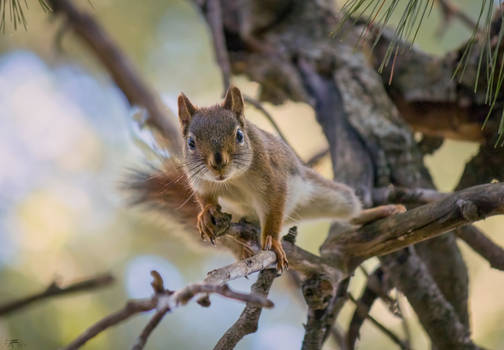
(166, 190)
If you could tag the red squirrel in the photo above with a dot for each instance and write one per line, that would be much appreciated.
(232, 164)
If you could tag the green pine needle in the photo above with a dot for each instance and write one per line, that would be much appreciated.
(14, 9)
(408, 27)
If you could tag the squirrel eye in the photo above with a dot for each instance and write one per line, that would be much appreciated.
(239, 136)
(191, 143)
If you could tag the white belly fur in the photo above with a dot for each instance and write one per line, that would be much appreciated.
(299, 191)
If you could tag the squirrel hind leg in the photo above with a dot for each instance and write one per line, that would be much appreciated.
(328, 200)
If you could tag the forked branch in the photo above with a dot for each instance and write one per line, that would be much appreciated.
(165, 301)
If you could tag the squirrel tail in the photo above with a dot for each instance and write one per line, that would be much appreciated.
(166, 190)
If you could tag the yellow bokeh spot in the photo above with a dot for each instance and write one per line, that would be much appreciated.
(44, 221)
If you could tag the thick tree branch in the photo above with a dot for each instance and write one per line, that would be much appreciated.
(54, 290)
(424, 222)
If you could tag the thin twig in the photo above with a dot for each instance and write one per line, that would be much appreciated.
(450, 10)
(378, 325)
(317, 157)
(400, 309)
(146, 332)
(268, 116)
(166, 301)
(482, 245)
(131, 308)
(213, 15)
(338, 336)
(377, 287)
(54, 289)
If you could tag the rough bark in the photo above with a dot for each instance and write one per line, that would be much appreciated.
(301, 61)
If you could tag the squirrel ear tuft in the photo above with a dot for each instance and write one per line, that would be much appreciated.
(233, 101)
(185, 111)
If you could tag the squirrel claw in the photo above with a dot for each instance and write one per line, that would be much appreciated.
(276, 246)
(267, 243)
(206, 225)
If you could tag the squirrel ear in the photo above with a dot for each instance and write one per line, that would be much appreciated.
(185, 111)
(233, 101)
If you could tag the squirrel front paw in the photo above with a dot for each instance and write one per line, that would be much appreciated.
(211, 222)
(207, 223)
(275, 245)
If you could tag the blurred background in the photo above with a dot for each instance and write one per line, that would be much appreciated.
(65, 144)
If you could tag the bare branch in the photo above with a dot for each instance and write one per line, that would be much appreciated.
(132, 307)
(249, 318)
(424, 222)
(439, 318)
(317, 157)
(146, 332)
(213, 14)
(374, 288)
(166, 301)
(268, 116)
(482, 245)
(363, 310)
(54, 289)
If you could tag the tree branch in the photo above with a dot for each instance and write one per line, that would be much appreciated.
(54, 289)
(317, 157)
(249, 318)
(166, 301)
(363, 311)
(122, 71)
(424, 222)
(364, 304)
(482, 245)
(408, 273)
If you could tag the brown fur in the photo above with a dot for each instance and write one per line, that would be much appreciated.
(259, 178)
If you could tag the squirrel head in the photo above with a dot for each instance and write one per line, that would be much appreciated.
(217, 146)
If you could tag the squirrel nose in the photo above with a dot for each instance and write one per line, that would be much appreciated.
(218, 161)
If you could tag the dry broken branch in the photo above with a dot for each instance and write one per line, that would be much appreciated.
(54, 289)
